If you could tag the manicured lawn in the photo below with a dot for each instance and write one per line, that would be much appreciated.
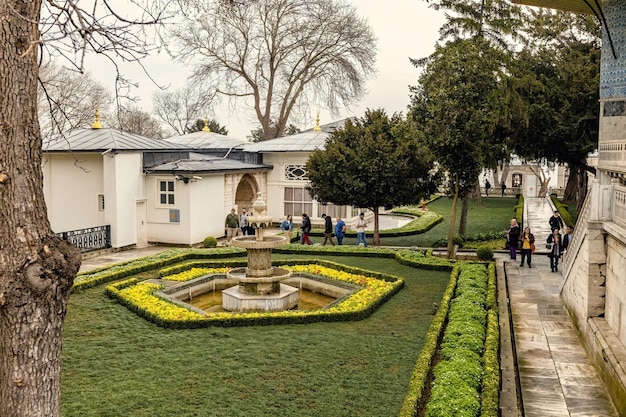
(116, 364)
(494, 216)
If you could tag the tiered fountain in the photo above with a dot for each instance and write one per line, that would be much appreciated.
(260, 287)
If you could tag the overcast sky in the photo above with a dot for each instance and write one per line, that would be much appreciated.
(404, 28)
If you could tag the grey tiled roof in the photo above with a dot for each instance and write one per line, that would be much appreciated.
(300, 142)
(99, 140)
(207, 140)
(205, 164)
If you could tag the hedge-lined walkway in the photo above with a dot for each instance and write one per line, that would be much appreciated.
(556, 376)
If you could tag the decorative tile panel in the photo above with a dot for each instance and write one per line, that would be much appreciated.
(613, 71)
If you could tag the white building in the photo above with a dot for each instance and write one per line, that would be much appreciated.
(104, 187)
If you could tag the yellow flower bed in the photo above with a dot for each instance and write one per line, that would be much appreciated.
(195, 273)
(142, 298)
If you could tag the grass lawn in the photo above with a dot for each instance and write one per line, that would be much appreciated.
(117, 364)
(494, 216)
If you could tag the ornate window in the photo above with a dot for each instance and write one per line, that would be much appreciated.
(517, 180)
(297, 201)
(296, 172)
(166, 193)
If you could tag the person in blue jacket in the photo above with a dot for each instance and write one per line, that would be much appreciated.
(340, 230)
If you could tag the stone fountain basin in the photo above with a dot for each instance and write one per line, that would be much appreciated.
(271, 275)
(250, 242)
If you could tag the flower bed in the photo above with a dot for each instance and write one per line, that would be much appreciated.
(376, 289)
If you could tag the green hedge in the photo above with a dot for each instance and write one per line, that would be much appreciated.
(137, 266)
(425, 221)
(519, 211)
(563, 211)
(419, 375)
(467, 379)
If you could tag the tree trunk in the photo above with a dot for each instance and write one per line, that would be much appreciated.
(505, 173)
(576, 187)
(376, 238)
(37, 269)
(452, 227)
(464, 211)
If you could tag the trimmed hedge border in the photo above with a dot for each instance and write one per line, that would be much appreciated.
(419, 376)
(565, 214)
(425, 221)
(481, 398)
(519, 210)
(263, 319)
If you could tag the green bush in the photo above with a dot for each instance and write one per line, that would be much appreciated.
(563, 211)
(484, 253)
(210, 242)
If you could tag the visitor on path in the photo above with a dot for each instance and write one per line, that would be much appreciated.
(243, 222)
(328, 230)
(360, 226)
(287, 227)
(527, 245)
(232, 226)
(340, 230)
(556, 222)
(512, 238)
(487, 187)
(554, 245)
(306, 229)
(503, 188)
(567, 238)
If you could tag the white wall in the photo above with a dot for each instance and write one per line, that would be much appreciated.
(201, 206)
(123, 186)
(72, 183)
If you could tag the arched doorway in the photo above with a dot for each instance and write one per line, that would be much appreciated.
(246, 192)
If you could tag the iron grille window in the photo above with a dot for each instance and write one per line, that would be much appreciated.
(295, 173)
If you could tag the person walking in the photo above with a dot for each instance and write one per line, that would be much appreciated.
(328, 230)
(554, 245)
(340, 230)
(232, 226)
(527, 245)
(487, 187)
(243, 222)
(306, 229)
(361, 224)
(567, 238)
(512, 237)
(287, 227)
(503, 189)
(555, 221)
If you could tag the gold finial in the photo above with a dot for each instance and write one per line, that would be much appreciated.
(96, 123)
(206, 124)
(317, 127)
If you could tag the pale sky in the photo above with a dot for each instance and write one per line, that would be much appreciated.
(404, 28)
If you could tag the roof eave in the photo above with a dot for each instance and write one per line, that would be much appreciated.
(576, 6)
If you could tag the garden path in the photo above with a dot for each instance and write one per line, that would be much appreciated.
(556, 376)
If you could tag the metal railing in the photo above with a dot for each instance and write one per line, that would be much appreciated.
(89, 239)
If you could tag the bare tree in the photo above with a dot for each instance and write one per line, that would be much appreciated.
(37, 268)
(134, 120)
(278, 55)
(68, 99)
(180, 109)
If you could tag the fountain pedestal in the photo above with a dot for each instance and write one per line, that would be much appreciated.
(259, 286)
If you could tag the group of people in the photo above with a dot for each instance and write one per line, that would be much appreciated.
(237, 224)
(339, 230)
(525, 241)
(488, 187)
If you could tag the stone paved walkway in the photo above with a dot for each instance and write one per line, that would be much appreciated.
(556, 376)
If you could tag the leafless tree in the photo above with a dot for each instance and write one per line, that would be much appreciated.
(37, 268)
(278, 56)
(67, 99)
(180, 109)
(134, 120)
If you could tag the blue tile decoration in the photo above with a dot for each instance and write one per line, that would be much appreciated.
(613, 71)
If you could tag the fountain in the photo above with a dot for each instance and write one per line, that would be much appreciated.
(260, 287)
